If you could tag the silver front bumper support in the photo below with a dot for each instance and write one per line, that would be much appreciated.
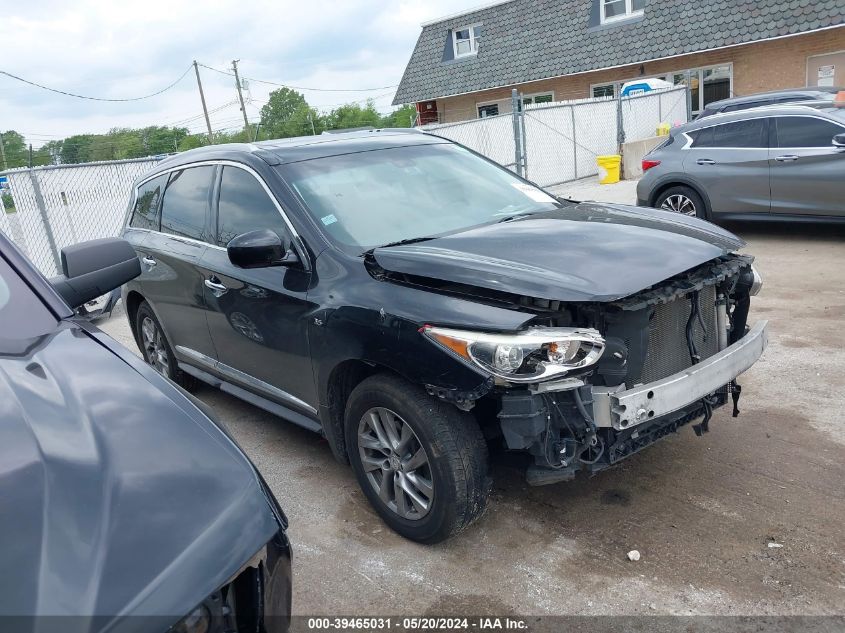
(624, 409)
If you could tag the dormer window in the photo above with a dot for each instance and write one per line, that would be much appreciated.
(465, 40)
(613, 10)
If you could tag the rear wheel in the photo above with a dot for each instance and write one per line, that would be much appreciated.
(156, 349)
(684, 200)
(421, 462)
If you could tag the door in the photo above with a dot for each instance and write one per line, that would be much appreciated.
(170, 278)
(808, 172)
(731, 163)
(258, 317)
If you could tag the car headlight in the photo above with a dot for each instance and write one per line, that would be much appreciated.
(197, 621)
(757, 285)
(534, 355)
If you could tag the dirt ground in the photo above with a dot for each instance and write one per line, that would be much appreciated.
(701, 511)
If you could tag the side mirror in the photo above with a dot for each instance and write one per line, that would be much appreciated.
(259, 249)
(839, 141)
(94, 268)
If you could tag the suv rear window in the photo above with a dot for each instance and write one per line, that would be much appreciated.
(145, 213)
(183, 210)
(738, 134)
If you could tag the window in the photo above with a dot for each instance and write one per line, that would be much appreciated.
(465, 40)
(620, 9)
(706, 85)
(540, 97)
(805, 131)
(605, 90)
(145, 213)
(739, 134)
(371, 198)
(490, 109)
(245, 206)
(22, 312)
(183, 209)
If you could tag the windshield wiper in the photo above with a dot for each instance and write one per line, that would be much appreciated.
(409, 240)
(516, 216)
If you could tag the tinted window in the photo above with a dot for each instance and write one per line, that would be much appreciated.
(804, 131)
(145, 214)
(245, 206)
(739, 134)
(744, 106)
(185, 202)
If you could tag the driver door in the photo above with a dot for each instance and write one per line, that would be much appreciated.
(257, 317)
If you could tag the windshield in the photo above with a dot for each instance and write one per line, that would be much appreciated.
(22, 314)
(373, 198)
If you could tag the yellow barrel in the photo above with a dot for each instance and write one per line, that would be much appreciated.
(663, 129)
(609, 168)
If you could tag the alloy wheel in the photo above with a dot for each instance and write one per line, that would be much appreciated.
(154, 349)
(395, 463)
(679, 203)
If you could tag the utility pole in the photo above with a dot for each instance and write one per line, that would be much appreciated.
(30, 155)
(202, 98)
(311, 121)
(240, 94)
(3, 152)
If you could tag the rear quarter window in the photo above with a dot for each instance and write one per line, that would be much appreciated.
(145, 211)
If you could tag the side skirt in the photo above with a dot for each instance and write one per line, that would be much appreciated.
(254, 399)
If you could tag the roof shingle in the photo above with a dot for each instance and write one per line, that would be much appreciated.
(528, 40)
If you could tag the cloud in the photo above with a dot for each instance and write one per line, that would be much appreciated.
(121, 49)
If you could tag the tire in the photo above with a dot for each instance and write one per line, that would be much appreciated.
(456, 459)
(681, 197)
(156, 348)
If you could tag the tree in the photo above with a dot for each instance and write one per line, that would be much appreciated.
(281, 116)
(352, 115)
(404, 116)
(17, 154)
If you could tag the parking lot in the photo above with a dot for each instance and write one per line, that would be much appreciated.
(702, 512)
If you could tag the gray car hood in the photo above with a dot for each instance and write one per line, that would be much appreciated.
(118, 496)
(588, 252)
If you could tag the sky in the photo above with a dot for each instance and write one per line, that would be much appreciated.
(127, 49)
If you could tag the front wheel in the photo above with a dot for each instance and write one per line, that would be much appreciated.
(421, 463)
(684, 200)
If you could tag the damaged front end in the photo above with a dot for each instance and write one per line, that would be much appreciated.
(622, 374)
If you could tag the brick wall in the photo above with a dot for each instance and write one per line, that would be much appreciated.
(758, 67)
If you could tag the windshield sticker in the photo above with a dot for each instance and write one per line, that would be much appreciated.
(535, 194)
(328, 219)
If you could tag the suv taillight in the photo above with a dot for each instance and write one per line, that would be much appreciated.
(648, 164)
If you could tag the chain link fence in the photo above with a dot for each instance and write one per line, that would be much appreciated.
(45, 209)
(553, 143)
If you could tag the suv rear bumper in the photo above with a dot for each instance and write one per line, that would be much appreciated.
(644, 403)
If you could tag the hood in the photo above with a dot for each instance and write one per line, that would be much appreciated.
(118, 496)
(587, 252)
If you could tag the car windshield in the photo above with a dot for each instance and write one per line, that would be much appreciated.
(381, 197)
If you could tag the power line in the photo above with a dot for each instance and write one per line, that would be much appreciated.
(71, 94)
(273, 83)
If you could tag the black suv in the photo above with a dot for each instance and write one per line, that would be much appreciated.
(416, 303)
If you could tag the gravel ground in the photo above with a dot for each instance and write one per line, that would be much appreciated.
(701, 511)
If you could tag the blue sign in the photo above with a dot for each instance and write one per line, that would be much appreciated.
(4, 182)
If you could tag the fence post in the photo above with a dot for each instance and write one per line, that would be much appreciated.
(45, 219)
(688, 80)
(620, 123)
(574, 142)
(524, 141)
(517, 145)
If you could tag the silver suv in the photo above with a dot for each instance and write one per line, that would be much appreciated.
(773, 162)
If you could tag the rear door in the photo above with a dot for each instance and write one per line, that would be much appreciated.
(170, 279)
(808, 172)
(258, 317)
(731, 163)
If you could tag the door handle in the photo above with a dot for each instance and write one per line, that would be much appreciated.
(149, 261)
(217, 289)
(706, 161)
(786, 159)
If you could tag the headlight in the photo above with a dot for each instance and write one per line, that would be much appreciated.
(530, 356)
(757, 286)
(197, 621)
